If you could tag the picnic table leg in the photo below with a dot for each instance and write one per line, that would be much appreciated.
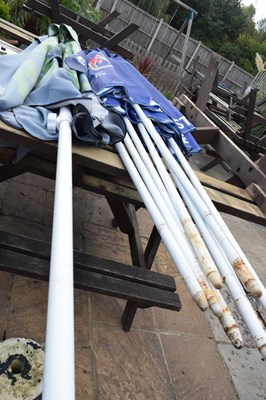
(126, 218)
(149, 255)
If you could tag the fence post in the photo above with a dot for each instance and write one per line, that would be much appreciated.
(190, 20)
(98, 4)
(155, 34)
(228, 71)
(114, 6)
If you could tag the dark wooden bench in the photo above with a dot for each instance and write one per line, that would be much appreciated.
(141, 287)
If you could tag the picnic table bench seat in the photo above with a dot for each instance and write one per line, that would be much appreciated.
(139, 286)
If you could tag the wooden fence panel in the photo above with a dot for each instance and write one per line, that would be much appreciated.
(167, 72)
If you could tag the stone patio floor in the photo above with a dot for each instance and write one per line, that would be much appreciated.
(166, 355)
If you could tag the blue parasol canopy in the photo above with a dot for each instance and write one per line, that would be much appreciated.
(119, 84)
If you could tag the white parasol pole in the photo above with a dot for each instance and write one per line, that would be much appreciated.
(243, 273)
(173, 225)
(155, 186)
(198, 244)
(184, 269)
(238, 294)
(59, 363)
(201, 191)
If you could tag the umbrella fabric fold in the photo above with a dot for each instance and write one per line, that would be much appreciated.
(92, 131)
(119, 84)
(37, 80)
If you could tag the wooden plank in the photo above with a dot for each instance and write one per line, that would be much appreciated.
(205, 134)
(109, 18)
(237, 207)
(15, 32)
(55, 9)
(124, 190)
(250, 112)
(84, 31)
(83, 20)
(120, 36)
(215, 99)
(142, 294)
(37, 248)
(123, 271)
(8, 172)
(152, 247)
(122, 215)
(224, 187)
(29, 163)
(261, 163)
(118, 191)
(231, 128)
(261, 141)
(135, 242)
(208, 81)
(17, 137)
(258, 195)
(99, 159)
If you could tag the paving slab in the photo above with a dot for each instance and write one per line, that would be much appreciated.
(24, 201)
(28, 308)
(130, 365)
(190, 320)
(6, 282)
(106, 243)
(82, 318)
(36, 181)
(3, 189)
(196, 370)
(107, 310)
(84, 374)
(167, 355)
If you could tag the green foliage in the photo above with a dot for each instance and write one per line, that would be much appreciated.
(168, 94)
(225, 26)
(39, 25)
(261, 28)
(26, 20)
(82, 7)
(4, 10)
(157, 8)
(217, 20)
(249, 25)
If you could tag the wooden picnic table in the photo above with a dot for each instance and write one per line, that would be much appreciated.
(102, 171)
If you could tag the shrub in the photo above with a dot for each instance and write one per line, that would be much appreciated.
(4, 10)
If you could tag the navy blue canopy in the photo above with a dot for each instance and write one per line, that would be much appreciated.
(119, 84)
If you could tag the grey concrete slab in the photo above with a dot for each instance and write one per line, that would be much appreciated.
(247, 370)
